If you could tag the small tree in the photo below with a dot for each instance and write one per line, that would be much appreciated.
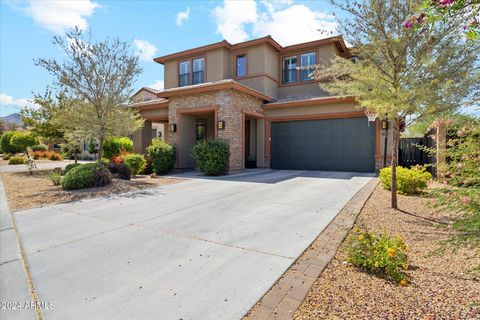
(100, 76)
(41, 120)
(73, 145)
(398, 73)
(93, 147)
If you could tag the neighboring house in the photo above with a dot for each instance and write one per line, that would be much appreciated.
(254, 96)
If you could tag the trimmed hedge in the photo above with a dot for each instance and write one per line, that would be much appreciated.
(212, 157)
(409, 181)
(86, 176)
(124, 171)
(162, 155)
(71, 166)
(136, 161)
(115, 146)
(16, 160)
(39, 147)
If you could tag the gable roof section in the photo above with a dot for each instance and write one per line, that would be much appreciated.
(212, 86)
(338, 40)
(151, 90)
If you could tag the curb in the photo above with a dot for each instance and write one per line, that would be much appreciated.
(287, 294)
(16, 286)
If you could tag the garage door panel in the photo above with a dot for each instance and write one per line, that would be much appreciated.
(331, 144)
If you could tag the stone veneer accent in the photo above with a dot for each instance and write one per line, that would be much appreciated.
(231, 105)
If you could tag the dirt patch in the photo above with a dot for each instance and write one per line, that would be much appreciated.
(29, 191)
(441, 288)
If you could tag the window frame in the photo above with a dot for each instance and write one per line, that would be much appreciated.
(315, 62)
(236, 64)
(298, 54)
(296, 71)
(190, 60)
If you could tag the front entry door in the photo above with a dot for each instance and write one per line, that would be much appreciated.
(200, 129)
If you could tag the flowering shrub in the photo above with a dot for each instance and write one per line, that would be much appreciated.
(115, 146)
(409, 181)
(379, 254)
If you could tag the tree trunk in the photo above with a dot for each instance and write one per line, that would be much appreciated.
(100, 148)
(75, 156)
(396, 138)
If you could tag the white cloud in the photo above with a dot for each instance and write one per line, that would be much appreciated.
(60, 15)
(158, 84)
(183, 16)
(8, 101)
(233, 17)
(286, 22)
(144, 49)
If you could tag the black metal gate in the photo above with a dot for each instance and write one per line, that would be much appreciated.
(410, 154)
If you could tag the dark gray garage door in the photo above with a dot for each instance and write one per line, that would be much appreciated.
(332, 145)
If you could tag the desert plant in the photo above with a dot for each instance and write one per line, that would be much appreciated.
(23, 140)
(211, 156)
(115, 146)
(39, 147)
(162, 155)
(137, 162)
(70, 167)
(54, 177)
(86, 176)
(379, 254)
(5, 144)
(124, 171)
(54, 156)
(409, 181)
(29, 161)
(16, 160)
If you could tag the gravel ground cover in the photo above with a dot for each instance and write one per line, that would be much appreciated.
(28, 191)
(441, 285)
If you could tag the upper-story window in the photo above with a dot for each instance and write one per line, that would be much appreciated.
(241, 65)
(307, 65)
(198, 75)
(191, 72)
(289, 69)
(184, 73)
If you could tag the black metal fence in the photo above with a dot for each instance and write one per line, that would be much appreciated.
(410, 154)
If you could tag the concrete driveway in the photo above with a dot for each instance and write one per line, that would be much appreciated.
(200, 249)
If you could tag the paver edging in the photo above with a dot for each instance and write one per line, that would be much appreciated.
(287, 294)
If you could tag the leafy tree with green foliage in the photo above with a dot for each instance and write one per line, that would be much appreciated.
(93, 147)
(42, 120)
(72, 145)
(5, 143)
(22, 140)
(100, 76)
(459, 14)
(398, 73)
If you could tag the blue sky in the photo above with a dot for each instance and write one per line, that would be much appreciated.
(154, 28)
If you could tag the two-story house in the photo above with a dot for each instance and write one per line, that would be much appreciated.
(261, 98)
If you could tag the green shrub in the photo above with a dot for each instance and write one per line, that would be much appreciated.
(114, 146)
(211, 157)
(5, 143)
(22, 140)
(6, 156)
(148, 165)
(409, 181)
(124, 171)
(379, 254)
(86, 176)
(137, 162)
(39, 147)
(162, 155)
(71, 166)
(16, 160)
(54, 177)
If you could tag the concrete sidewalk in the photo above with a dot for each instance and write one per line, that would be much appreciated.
(41, 165)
